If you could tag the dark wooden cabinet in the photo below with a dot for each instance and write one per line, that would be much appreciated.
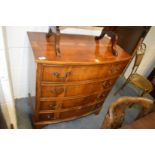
(76, 83)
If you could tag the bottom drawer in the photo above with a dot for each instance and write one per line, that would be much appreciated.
(46, 117)
(76, 113)
(67, 114)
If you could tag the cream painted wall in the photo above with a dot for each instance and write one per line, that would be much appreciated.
(20, 56)
(19, 49)
(6, 92)
(148, 63)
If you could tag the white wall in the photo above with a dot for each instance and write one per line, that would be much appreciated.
(148, 63)
(6, 92)
(19, 50)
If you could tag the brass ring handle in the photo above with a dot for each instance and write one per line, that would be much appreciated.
(52, 105)
(49, 116)
(57, 75)
(106, 84)
(115, 69)
(57, 90)
(101, 97)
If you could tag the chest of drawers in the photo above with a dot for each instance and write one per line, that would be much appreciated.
(76, 83)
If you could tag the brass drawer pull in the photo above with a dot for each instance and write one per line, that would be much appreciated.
(115, 69)
(107, 84)
(101, 97)
(49, 117)
(98, 105)
(57, 75)
(57, 90)
(52, 106)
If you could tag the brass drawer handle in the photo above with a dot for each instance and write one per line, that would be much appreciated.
(114, 69)
(98, 105)
(106, 84)
(52, 105)
(57, 75)
(57, 90)
(49, 117)
(101, 97)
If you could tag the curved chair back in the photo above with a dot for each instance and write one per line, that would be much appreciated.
(116, 112)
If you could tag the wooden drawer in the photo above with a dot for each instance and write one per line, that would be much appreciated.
(76, 89)
(52, 90)
(66, 114)
(79, 101)
(68, 103)
(46, 117)
(80, 73)
(48, 105)
(55, 73)
(76, 113)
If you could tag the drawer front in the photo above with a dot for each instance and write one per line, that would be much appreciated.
(55, 73)
(66, 114)
(76, 90)
(48, 105)
(46, 117)
(76, 113)
(69, 103)
(52, 91)
(79, 101)
(81, 73)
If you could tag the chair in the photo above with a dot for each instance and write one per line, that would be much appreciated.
(136, 79)
(115, 116)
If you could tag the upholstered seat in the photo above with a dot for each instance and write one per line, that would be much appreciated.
(141, 82)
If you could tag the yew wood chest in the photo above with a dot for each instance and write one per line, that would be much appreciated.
(76, 83)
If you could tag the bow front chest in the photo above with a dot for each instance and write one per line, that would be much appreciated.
(76, 83)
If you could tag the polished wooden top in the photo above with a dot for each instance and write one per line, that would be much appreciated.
(75, 49)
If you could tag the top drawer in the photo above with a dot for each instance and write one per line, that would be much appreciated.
(53, 73)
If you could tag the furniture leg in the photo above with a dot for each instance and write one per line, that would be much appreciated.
(38, 126)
